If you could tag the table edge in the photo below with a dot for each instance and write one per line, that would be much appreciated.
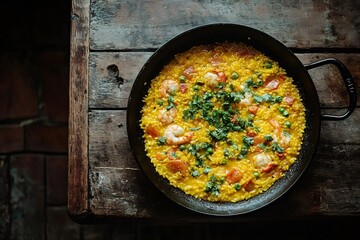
(78, 183)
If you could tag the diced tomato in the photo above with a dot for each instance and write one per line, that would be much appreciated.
(249, 185)
(268, 168)
(253, 109)
(183, 87)
(273, 82)
(160, 156)
(233, 176)
(177, 166)
(251, 133)
(221, 77)
(274, 123)
(189, 72)
(288, 100)
(258, 140)
(152, 131)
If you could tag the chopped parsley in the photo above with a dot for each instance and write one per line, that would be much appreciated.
(277, 148)
(213, 185)
(207, 169)
(195, 173)
(268, 138)
(272, 99)
(201, 151)
(248, 141)
(171, 102)
(161, 141)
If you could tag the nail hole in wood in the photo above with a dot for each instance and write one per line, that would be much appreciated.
(113, 73)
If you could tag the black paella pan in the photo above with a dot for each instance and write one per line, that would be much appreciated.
(259, 40)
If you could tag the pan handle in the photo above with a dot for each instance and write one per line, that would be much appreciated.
(349, 83)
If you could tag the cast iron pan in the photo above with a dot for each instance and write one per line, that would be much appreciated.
(274, 49)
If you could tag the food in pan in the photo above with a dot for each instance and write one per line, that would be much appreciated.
(222, 122)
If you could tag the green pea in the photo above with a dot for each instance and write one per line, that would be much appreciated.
(287, 124)
(182, 147)
(234, 75)
(159, 102)
(283, 111)
(182, 78)
(210, 150)
(268, 65)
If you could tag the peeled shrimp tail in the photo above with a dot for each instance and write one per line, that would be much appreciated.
(175, 135)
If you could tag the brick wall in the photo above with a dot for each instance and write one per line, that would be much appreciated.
(34, 70)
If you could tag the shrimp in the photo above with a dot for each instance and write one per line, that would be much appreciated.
(167, 116)
(176, 135)
(264, 162)
(285, 139)
(213, 78)
(168, 87)
(247, 100)
(282, 137)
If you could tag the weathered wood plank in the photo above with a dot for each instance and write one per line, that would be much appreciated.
(332, 175)
(128, 193)
(78, 110)
(149, 24)
(108, 140)
(118, 191)
(112, 76)
(338, 132)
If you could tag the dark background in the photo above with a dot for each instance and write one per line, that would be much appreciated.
(34, 82)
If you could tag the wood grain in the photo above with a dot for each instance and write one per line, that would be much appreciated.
(108, 140)
(149, 24)
(106, 92)
(78, 112)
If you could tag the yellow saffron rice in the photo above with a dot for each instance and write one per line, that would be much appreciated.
(222, 122)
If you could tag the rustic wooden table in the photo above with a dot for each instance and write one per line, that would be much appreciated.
(111, 40)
